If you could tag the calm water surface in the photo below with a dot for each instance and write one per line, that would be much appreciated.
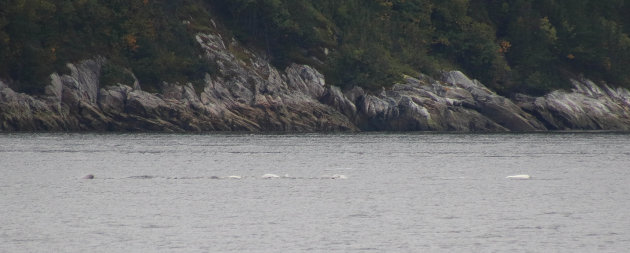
(403, 193)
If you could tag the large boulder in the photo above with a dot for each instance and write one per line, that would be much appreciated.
(112, 99)
(306, 80)
(81, 85)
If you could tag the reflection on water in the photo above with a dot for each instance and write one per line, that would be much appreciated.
(331, 193)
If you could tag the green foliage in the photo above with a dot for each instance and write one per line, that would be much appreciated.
(529, 46)
(510, 45)
(288, 31)
(149, 37)
(112, 74)
(550, 38)
(371, 68)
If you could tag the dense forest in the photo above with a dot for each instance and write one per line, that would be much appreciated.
(529, 46)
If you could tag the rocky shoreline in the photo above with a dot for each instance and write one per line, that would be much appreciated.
(251, 95)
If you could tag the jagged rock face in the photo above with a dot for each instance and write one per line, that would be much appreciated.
(497, 108)
(254, 95)
(454, 104)
(587, 106)
(335, 98)
(249, 94)
(21, 112)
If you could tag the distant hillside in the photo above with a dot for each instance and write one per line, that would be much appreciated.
(529, 46)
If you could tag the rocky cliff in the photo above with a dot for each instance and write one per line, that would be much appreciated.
(249, 94)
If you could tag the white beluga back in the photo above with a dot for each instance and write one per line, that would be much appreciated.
(339, 176)
(522, 176)
(269, 175)
(334, 176)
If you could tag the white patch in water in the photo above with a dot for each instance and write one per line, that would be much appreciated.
(334, 176)
(519, 177)
(269, 175)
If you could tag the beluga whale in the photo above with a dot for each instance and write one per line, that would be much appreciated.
(522, 176)
(269, 175)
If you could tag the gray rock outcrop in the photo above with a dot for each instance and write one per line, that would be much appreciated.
(454, 104)
(587, 106)
(249, 94)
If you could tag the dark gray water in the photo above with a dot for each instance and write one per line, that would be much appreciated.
(336, 193)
